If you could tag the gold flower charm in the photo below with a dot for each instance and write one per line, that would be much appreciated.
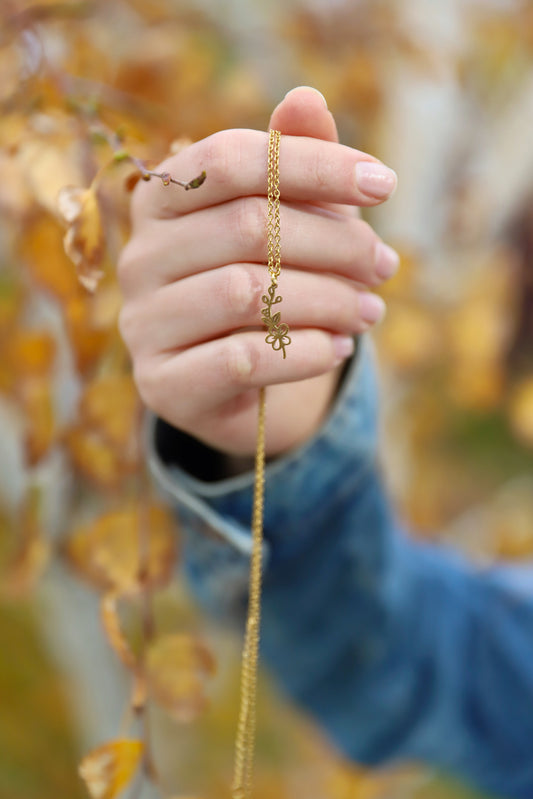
(277, 331)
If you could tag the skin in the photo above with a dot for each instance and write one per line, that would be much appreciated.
(193, 273)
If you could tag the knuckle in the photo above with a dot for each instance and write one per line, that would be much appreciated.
(128, 265)
(249, 226)
(365, 240)
(241, 360)
(127, 325)
(124, 262)
(223, 154)
(147, 382)
(321, 171)
(365, 237)
(242, 292)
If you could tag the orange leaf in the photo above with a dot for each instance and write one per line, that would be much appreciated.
(109, 404)
(95, 457)
(88, 340)
(38, 406)
(33, 550)
(32, 352)
(108, 769)
(521, 411)
(84, 239)
(41, 247)
(176, 668)
(107, 552)
(49, 161)
(113, 630)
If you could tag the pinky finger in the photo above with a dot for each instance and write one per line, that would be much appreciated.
(199, 380)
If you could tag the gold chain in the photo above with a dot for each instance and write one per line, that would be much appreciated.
(278, 338)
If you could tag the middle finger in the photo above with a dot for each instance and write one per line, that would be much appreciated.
(313, 238)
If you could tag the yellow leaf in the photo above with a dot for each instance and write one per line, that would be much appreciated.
(40, 428)
(32, 351)
(42, 250)
(33, 550)
(84, 239)
(521, 411)
(411, 338)
(108, 769)
(113, 631)
(96, 458)
(107, 552)
(109, 403)
(48, 162)
(88, 340)
(176, 669)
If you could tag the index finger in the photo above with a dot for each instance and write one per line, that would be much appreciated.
(311, 171)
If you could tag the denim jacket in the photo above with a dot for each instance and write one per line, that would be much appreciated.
(400, 650)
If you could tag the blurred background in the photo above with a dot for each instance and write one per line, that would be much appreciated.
(92, 618)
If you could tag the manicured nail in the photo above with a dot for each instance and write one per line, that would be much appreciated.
(343, 347)
(386, 261)
(371, 308)
(312, 88)
(375, 180)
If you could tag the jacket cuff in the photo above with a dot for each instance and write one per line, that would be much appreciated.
(299, 485)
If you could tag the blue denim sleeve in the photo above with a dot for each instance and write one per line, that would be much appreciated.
(400, 650)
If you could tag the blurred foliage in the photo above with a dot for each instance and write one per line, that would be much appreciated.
(93, 95)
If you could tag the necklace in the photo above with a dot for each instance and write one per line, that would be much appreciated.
(277, 336)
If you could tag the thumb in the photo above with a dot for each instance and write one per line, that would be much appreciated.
(304, 112)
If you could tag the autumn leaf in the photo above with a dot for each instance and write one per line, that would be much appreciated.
(109, 768)
(95, 458)
(37, 401)
(113, 630)
(33, 551)
(41, 250)
(84, 239)
(109, 404)
(48, 160)
(521, 410)
(177, 666)
(107, 551)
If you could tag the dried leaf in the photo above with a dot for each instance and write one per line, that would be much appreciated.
(95, 458)
(107, 552)
(411, 338)
(84, 239)
(33, 550)
(48, 162)
(521, 410)
(37, 403)
(109, 404)
(33, 352)
(41, 249)
(113, 631)
(176, 669)
(108, 769)
(88, 340)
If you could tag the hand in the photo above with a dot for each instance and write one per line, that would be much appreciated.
(194, 272)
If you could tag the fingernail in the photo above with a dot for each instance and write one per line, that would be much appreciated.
(343, 346)
(386, 261)
(371, 308)
(375, 180)
(312, 88)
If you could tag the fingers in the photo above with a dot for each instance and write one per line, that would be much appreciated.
(213, 304)
(235, 232)
(304, 112)
(210, 375)
(312, 171)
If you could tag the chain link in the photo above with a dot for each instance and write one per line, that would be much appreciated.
(277, 336)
